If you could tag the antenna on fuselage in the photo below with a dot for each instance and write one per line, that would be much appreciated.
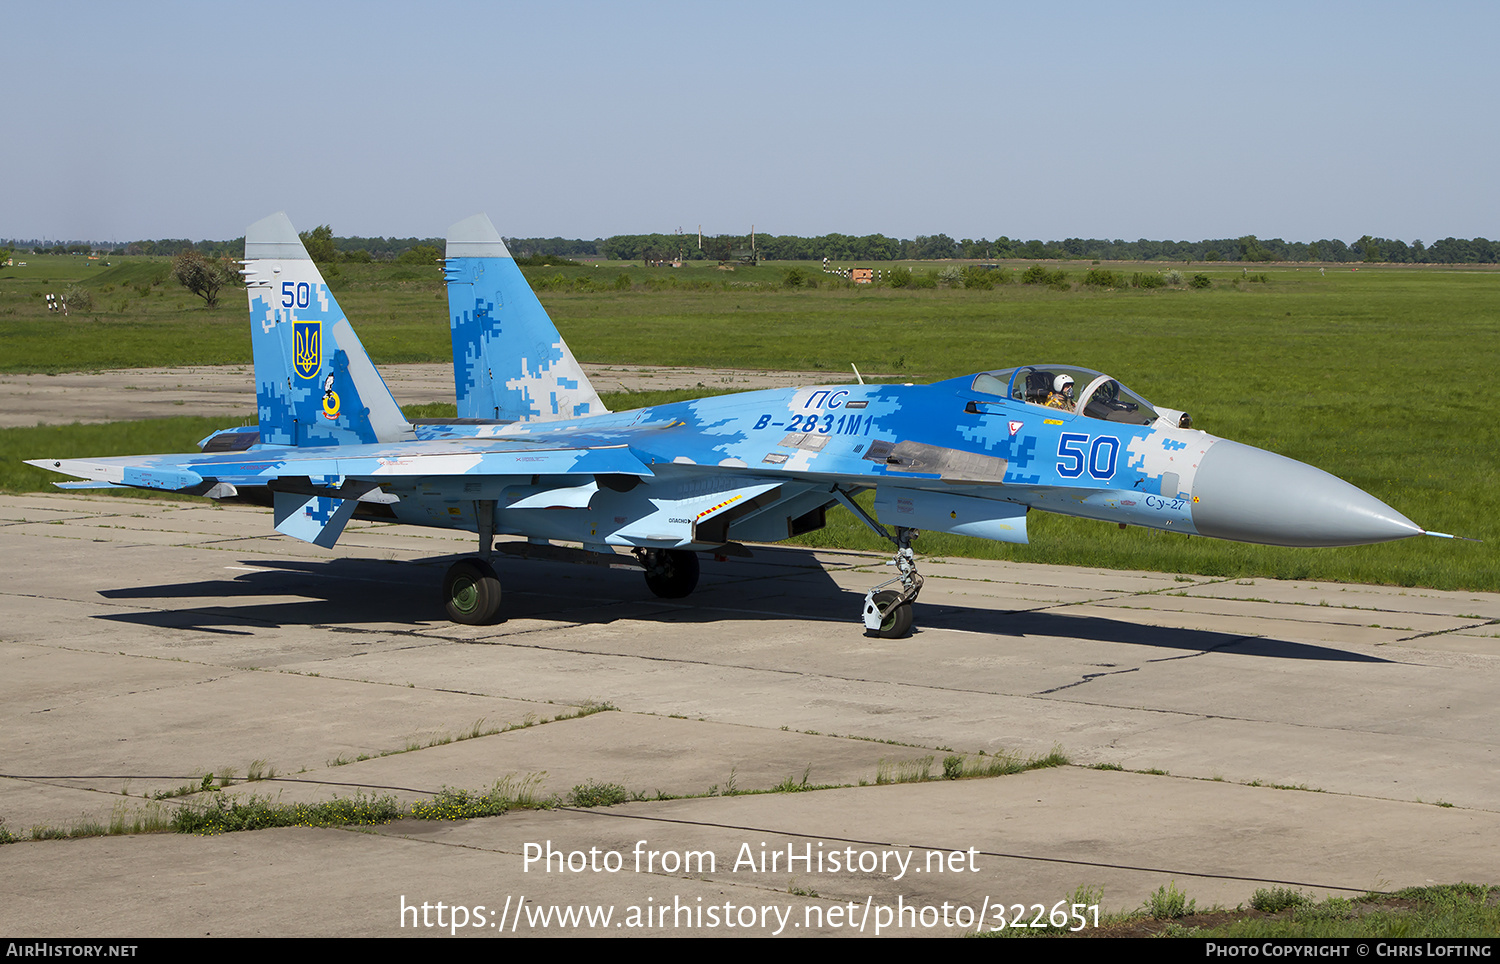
(857, 374)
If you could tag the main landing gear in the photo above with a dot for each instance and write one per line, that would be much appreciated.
(471, 590)
(670, 573)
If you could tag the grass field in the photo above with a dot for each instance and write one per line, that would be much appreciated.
(1382, 375)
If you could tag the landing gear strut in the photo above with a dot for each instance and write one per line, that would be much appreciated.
(888, 611)
(471, 590)
(670, 573)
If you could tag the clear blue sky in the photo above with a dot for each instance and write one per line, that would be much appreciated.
(1116, 120)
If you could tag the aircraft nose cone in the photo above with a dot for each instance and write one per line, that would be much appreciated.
(1251, 495)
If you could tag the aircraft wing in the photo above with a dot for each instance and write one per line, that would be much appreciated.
(315, 491)
(476, 457)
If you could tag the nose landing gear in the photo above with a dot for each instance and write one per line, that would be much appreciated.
(888, 612)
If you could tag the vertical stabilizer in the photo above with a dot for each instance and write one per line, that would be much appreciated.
(314, 384)
(509, 362)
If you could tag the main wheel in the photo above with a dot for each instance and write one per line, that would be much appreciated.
(897, 622)
(671, 573)
(471, 592)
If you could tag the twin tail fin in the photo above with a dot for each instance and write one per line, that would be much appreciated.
(509, 361)
(314, 383)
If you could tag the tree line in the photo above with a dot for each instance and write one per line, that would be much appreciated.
(325, 247)
(878, 247)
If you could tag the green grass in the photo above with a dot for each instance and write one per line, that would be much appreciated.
(224, 814)
(1169, 903)
(211, 810)
(502, 797)
(597, 794)
(1446, 911)
(1276, 899)
(144, 437)
(1456, 910)
(961, 766)
(1379, 376)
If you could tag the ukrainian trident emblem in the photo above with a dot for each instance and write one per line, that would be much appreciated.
(307, 348)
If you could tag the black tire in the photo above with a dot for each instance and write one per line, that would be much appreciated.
(671, 573)
(471, 592)
(897, 622)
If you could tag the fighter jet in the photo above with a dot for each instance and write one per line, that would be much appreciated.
(534, 453)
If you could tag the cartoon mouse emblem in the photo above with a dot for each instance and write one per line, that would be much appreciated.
(330, 400)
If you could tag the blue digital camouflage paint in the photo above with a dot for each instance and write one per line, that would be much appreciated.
(314, 384)
(509, 362)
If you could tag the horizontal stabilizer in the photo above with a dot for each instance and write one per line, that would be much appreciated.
(140, 473)
(312, 518)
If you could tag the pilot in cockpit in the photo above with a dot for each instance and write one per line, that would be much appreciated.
(1061, 395)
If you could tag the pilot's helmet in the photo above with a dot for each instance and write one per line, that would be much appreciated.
(1063, 384)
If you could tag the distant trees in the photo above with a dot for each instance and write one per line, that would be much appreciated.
(935, 247)
(421, 254)
(325, 248)
(356, 249)
(785, 247)
(203, 277)
(319, 244)
(1460, 251)
(171, 247)
(1250, 250)
(1330, 249)
(555, 247)
(717, 248)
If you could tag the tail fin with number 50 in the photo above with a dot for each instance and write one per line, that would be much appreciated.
(314, 384)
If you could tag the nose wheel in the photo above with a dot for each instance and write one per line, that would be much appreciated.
(888, 612)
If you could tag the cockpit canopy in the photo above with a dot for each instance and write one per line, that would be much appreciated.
(1094, 394)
